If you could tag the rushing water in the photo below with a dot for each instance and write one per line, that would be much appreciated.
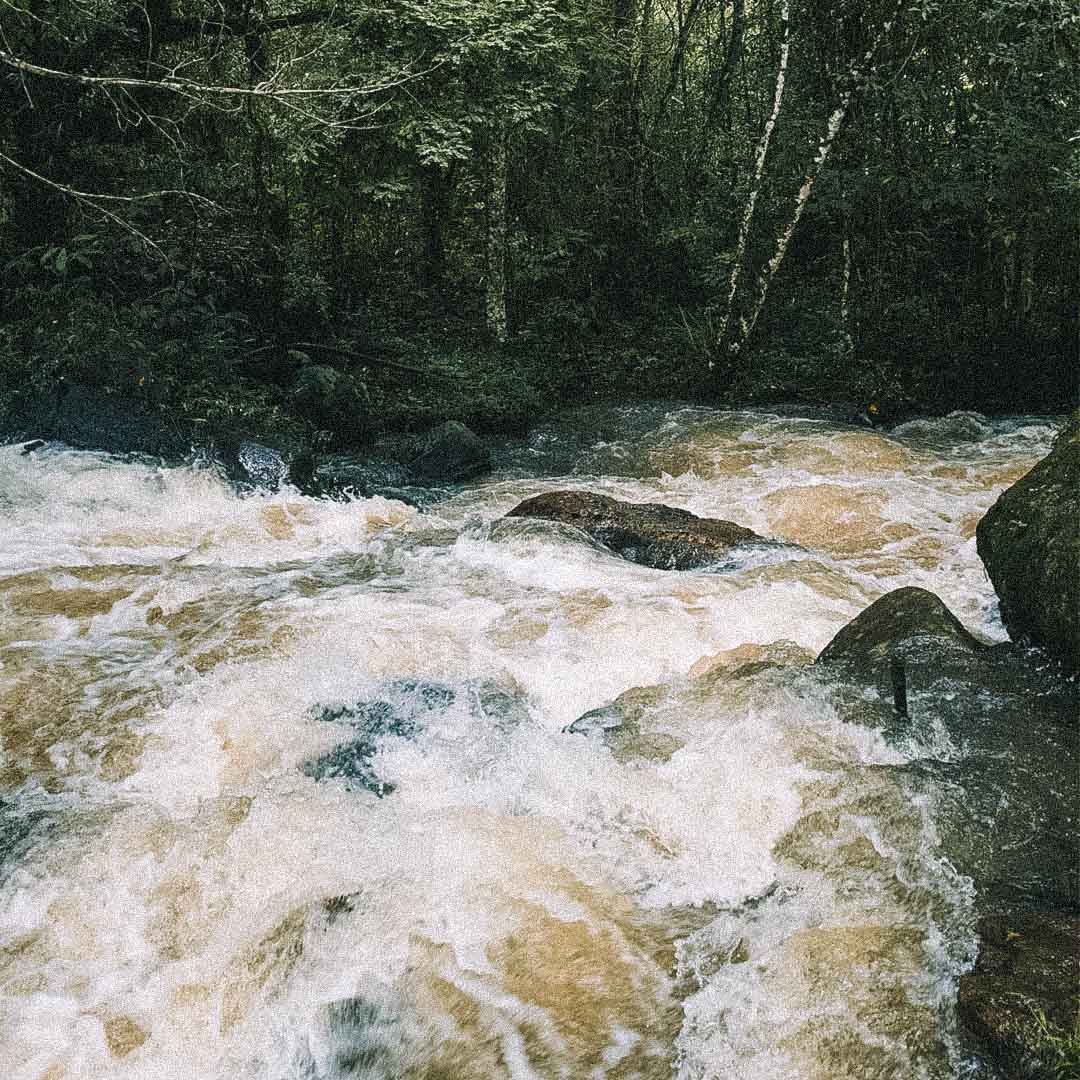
(286, 790)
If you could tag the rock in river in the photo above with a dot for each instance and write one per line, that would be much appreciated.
(652, 534)
(1030, 543)
(449, 454)
(895, 620)
(1024, 991)
(991, 741)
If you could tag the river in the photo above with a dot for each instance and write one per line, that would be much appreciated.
(286, 793)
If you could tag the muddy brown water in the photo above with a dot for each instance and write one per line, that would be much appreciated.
(740, 888)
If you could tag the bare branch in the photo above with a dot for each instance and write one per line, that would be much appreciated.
(96, 196)
(190, 88)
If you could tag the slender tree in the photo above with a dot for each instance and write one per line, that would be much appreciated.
(725, 337)
(855, 77)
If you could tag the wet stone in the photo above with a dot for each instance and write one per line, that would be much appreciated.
(263, 466)
(1030, 543)
(990, 735)
(654, 535)
(897, 623)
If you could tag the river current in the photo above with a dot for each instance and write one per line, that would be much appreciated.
(286, 791)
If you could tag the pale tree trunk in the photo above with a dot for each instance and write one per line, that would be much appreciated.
(634, 122)
(496, 237)
(759, 173)
(847, 340)
(855, 76)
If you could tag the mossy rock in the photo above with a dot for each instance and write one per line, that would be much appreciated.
(1030, 544)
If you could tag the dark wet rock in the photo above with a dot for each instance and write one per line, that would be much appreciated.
(652, 534)
(598, 721)
(252, 465)
(401, 709)
(1030, 543)
(31, 446)
(263, 466)
(349, 476)
(900, 622)
(88, 419)
(1025, 986)
(360, 1037)
(21, 830)
(449, 454)
(405, 467)
(991, 735)
(991, 744)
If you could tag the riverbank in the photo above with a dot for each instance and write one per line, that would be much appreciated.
(345, 393)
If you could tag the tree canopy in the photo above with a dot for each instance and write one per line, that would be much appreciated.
(202, 202)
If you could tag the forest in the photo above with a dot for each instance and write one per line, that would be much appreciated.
(366, 215)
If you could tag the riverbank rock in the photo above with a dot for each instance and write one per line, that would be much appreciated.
(1023, 995)
(87, 419)
(651, 534)
(1030, 543)
(449, 454)
(901, 620)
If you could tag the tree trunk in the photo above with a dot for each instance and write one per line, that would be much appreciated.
(724, 336)
(847, 341)
(434, 208)
(721, 97)
(855, 77)
(687, 22)
(495, 203)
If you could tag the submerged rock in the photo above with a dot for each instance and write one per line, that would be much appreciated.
(1022, 1000)
(651, 534)
(899, 622)
(1030, 543)
(751, 655)
(263, 466)
(400, 709)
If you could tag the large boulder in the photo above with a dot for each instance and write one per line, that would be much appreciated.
(1022, 998)
(993, 733)
(1030, 543)
(652, 534)
(990, 741)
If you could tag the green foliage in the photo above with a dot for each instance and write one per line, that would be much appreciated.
(91, 312)
(350, 231)
(1059, 1046)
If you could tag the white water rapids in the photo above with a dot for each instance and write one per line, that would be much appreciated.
(199, 879)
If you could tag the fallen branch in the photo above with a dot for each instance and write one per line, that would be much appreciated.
(367, 358)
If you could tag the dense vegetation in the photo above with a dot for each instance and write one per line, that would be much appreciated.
(375, 213)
